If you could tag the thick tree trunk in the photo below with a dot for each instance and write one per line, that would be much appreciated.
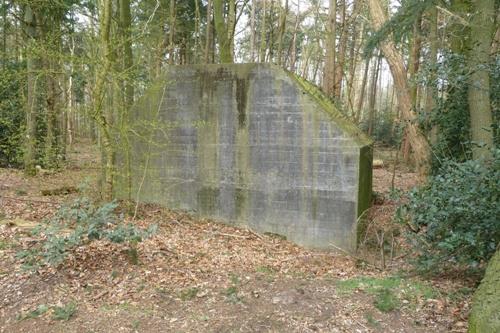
(395, 60)
(482, 30)
(222, 30)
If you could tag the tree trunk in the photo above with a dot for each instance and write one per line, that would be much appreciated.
(329, 71)
(262, 51)
(284, 14)
(339, 63)
(431, 87)
(128, 61)
(482, 30)
(414, 62)
(30, 22)
(373, 94)
(252, 31)
(209, 38)
(222, 31)
(102, 118)
(171, 33)
(395, 60)
(361, 99)
(293, 57)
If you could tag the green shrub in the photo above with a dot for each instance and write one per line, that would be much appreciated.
(455, 218)
(79, 223)
(11, 116)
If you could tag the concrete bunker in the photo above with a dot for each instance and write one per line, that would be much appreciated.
(251, 145)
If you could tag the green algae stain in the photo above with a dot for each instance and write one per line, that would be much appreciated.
(240, 199)
(241, 101)
(364, 188)
(208, 198)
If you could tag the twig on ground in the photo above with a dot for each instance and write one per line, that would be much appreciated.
(30, 200)
(356, 257)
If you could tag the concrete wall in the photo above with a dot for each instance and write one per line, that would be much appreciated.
(252, 145)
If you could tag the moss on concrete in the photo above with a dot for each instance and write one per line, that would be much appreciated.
(327, 106)
(364, 188)
(485, 314)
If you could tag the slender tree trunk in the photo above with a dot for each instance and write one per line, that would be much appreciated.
(262, 51)
(283, 16)
(329, 71)
(103, 118)
(231, 25)
(373, 94)
(30, 22)
(209, 38)
(4, 33)
(128, 61)
(362, 90)
(293, 58)
(252, 31)
(431, 87)
(197, 31)
(414, 62)
(482, 30)
(395, 60)
(339, 63)
(171, 34)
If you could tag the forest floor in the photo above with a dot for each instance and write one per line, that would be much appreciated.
(202, 276)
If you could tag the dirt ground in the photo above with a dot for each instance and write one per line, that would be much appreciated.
(202, 276)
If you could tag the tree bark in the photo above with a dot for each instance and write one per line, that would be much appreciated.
(373, 94)
(284, 14)
(222, 30)
(339, 63)
(262, 50)
(252, 31)
(209, 37)
(30, 22)
(418, 142)
(329, 71)
(414, 61)
(171, 33)
(102, 118)
(482, 30)
(361, 99)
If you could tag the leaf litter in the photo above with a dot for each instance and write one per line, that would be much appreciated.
(198, 275)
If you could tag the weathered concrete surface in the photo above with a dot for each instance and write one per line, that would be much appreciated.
(485, 314)
(250, 144)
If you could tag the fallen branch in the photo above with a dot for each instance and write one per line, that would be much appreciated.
(30, 200)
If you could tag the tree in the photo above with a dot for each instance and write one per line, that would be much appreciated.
(30, 21)
(482, 30)
(417, 140)
(224, 18)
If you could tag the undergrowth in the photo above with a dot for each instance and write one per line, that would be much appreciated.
(79, 223)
